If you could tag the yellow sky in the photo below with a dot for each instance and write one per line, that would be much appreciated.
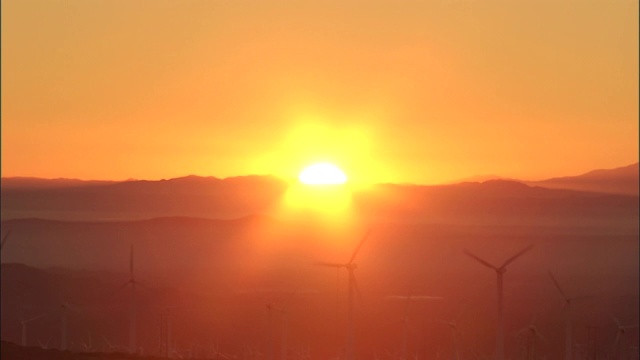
(414, 91)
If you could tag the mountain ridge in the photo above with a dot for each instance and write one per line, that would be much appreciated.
(629, 172)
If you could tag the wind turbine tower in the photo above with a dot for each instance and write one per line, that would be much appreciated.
(500, 270)
(531, 337)
(405, 320)
(64, 327)
(568, 327)
(23, 327)
(166, 325)
(350, 266)
(285, 329)
(618, 351)
(132, 308)
(4, 239)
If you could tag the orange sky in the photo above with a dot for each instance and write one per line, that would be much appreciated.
(416, 91)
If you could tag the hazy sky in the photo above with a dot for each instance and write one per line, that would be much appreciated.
(406, 91)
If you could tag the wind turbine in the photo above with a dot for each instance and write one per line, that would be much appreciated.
(285, 329)
(500, 270)
(23, 327)
(109, 345)
(350, 266)
(620, 332)
(455, 334)
(64, 326)
(405, 320)
(568, 327)
(88, 346)
(285, 333)
(166, 332)
(132, 310)
(531, 339)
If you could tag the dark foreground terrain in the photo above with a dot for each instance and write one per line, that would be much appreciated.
(12, 351)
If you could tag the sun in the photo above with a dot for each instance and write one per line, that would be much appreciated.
(321, 192)
(322, 174)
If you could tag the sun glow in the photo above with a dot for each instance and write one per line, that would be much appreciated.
(314, 142)
(322, 174)
(322, 191)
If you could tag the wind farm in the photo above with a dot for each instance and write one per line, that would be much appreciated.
(320, 180)
(204, 296)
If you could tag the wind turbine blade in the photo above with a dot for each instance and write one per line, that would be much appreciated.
(329, 264)
(616, 341)
(522, 331)
(141, 284)
(481, 261)
(355, 252)
(4, 239)
(558, 286)
(124, 285)
(426, 297)
(33, 318)
(356, 287)
(534, 318)
(580, 298)
(615, 319)
(406, 306)
(541, 337)
(511, 259)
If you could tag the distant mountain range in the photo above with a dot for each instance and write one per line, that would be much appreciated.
(622, 180)
(611, 194)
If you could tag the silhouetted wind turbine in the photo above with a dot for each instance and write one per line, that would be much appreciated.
(285, 333)
(455, 334)
(568, 328)
(532, 335)
(132, 312)
(64, 326)
(109, 345)
(620, 332)
(166, 331)
(455, 338)
(285, 325)
(23, 327)
(352, 288)
(500, 270)
(405, 320)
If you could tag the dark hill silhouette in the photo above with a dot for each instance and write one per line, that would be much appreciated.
(10, 350)
(40, 183)
(492, 201)
(496, 202)
(188, 196)
(622, 180)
